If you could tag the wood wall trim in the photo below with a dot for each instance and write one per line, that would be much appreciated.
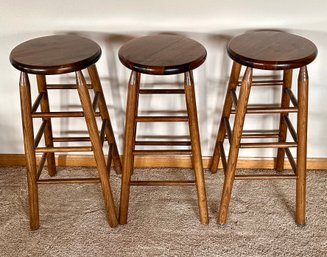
(155, 161)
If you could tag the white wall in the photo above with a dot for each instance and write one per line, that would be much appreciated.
(212, 22)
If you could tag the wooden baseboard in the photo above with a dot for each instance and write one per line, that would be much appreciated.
(162, 161)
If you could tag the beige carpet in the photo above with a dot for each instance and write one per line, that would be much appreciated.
(163, 221)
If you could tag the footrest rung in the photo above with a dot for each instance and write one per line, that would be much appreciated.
(162, 183)
(162, 152)
(163, 143)
(161, 118)
(65, 86)
(71, 139)
(264, 177)
(60, 114)
(68, 181)
(261, 83)
(162, 91)
(63, 149)
(260, 134)
(267, 109)
(267, 145)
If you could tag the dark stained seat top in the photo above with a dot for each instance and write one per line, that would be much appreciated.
(55, 54)
(271, 50)
(162, 54)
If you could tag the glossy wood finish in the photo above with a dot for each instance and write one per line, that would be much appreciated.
(285, 102)
(271, 50)
(45, 107)
(302, 124)
(233, 82)
(274, 51)
(94, 76)
(129, 146)
(97, 148)
(234, 146)
(196, 146)
(162, 54)
(26, 104)
(56, 55)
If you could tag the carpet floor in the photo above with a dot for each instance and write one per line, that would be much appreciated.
(163, 221)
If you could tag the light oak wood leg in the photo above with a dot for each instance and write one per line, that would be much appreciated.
(285, 102)
(303, 83)
(26, 110)
(233, 81)
(97, 148)
(94, 76)
(48, 137)
(234, 146)
(129, 144)
(196, 147)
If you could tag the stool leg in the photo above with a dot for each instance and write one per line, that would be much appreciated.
(285, 102)
(97, 148)
(26, 110)
(233, 81)
(196, 147)
(234, 146)
(48, 138)
(129, 144)
(94, 76)
(303, 82)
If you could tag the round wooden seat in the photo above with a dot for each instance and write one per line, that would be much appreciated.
(271, 50)
(162, 54)
(55, 54)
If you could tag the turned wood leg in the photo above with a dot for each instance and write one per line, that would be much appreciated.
(285, 102)
(26, 111)
(129, 144)
(196, 147)
(94, 76)
(97, 148)
(303, 83)
(233, 81)
(234, 146)
(48, 137)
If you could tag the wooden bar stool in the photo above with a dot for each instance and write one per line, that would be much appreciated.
(161, 55)
(266, 50)
(53, 55)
